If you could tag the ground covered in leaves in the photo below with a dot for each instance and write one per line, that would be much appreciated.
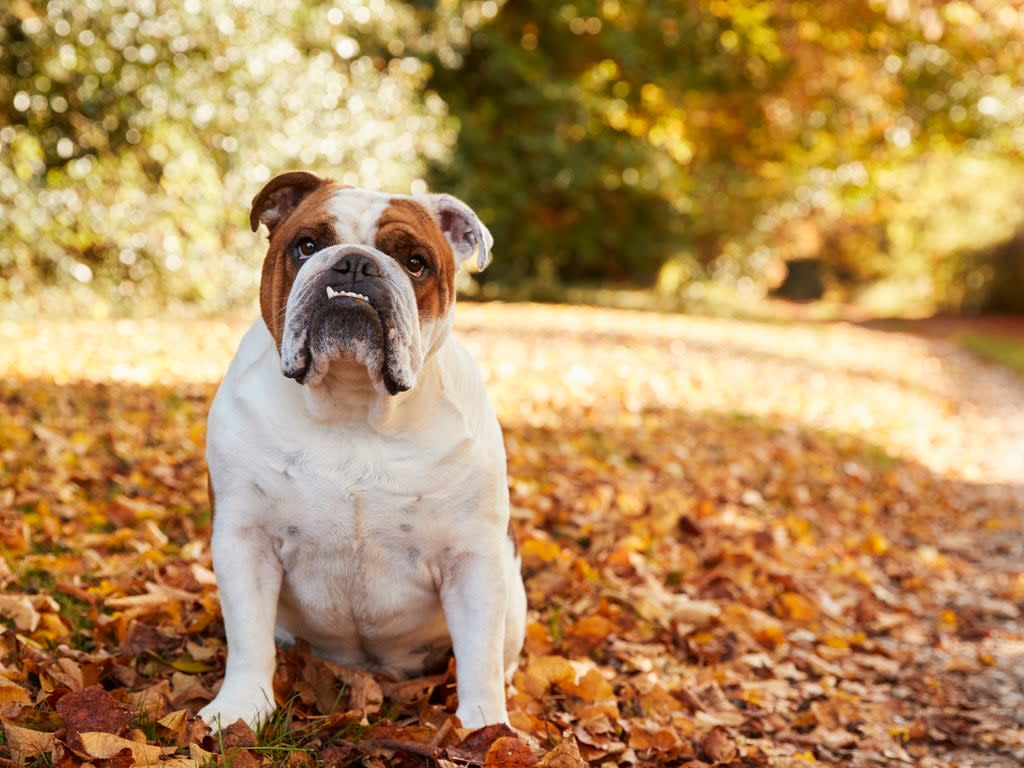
(744, 544)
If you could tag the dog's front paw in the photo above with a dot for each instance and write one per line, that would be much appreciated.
(225, 710)
(475, 715)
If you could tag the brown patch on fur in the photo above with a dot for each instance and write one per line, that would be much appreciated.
(310, 217)
(406, 227)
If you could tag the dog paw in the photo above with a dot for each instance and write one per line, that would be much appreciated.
(476, 715)
(227, 710)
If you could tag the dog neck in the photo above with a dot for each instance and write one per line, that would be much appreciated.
(347, 396)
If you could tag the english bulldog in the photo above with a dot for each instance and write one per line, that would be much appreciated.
(357, 469)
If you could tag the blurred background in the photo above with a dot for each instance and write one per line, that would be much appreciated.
(693, 154)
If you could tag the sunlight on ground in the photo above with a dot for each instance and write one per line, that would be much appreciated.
(911, 397)
(721, 553)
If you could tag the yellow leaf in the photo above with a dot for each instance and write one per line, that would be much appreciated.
(543, 671)
(797, 607)
(185, 663)
(544, 550)
(52, 629)
(592, 686)
(875, 544)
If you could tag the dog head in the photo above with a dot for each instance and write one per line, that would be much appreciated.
(352, 274)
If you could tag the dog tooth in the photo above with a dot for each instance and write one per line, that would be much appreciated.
(332, 293)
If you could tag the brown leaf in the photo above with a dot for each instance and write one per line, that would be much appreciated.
(509, 752)
(238, 734)
(143, 638)
(717, 746)
(412, 689)
(338, 754)
(474, 747)
(92, 709)
(12, 693)
(649, 736)
(364, 692)
(241, 758)
(188, 688)
(565, 755)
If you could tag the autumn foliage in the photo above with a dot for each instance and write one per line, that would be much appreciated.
(743, 545)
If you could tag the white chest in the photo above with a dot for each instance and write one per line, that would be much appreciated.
(360, 519)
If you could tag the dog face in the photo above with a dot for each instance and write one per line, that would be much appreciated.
(356, 275)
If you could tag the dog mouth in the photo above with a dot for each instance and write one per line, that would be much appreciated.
(343, 323)
(333, 293)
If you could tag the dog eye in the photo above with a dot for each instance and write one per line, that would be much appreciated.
(305, 247)
(416, 265)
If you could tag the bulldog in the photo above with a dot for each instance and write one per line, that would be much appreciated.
(357, 469)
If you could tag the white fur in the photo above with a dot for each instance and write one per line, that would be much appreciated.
(372, 526)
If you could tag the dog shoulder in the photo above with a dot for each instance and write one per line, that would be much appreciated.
(464, 383)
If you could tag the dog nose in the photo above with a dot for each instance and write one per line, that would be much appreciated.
(357, 265)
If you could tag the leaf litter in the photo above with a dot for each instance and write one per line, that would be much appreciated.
(743, 545)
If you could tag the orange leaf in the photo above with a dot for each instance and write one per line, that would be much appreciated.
(509, 752)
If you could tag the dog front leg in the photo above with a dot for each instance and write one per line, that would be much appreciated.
(474, 601)
(249, 577)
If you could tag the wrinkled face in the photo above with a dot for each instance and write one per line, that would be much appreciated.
(360, 276)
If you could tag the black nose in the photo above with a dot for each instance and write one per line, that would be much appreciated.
(356, 265)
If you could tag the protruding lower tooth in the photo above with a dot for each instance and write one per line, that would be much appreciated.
(331, 293)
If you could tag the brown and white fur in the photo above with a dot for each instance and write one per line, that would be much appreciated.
(357, 466)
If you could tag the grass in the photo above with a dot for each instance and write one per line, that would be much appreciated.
(997, 349)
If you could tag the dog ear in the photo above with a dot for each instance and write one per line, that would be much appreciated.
(280, 196)
(463, 230)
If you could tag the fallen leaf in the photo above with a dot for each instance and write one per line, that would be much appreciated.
(238, 734)
(104, 746)
(509, 752)
(26, 743)
(92, 709)
(718, 746)
(19, 609)
(364, 691)
(565, 755)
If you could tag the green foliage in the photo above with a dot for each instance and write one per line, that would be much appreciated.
(622, 139)
(136, 132)
(604, 141)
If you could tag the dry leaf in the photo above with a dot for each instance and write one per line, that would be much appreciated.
(26, 743)
(92, 709)
(103, 746)
(12, 693)
(565, 755)
(238, 734)
(509, 752)
(364, 692)
(19, 609)
(718, 747)
(775, 531)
